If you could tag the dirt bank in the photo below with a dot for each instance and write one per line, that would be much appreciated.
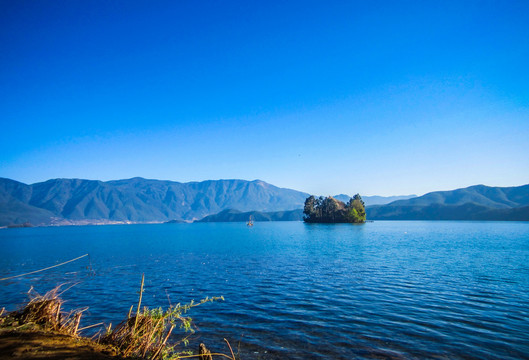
(38, 344)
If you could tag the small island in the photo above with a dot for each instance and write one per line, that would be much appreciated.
(331, 210)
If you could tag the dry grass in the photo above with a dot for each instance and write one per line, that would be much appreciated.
(45, 311)
(142, 335)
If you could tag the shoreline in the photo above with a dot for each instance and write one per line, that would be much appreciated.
(43, 329)
(36, 343)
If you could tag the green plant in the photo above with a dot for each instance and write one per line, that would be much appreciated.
(145, 334)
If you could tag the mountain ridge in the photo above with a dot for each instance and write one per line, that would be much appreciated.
(477, 202)
(496, 197)
(79, 201)
(64, 201)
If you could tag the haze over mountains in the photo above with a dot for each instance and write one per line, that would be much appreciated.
(77, 201)
(230, 215)
(375, 200)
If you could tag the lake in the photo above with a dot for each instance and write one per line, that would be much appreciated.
(382, 290)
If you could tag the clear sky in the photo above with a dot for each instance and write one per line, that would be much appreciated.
(327, 97)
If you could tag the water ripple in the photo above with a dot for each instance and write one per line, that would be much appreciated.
(446, 290)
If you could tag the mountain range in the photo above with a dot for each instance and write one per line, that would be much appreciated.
(477, 202)
(78, 201)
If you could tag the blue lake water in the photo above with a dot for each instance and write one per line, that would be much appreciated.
(382, 290)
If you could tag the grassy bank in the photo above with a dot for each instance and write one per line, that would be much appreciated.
(42, 329)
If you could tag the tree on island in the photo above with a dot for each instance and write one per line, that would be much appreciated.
(331, 210)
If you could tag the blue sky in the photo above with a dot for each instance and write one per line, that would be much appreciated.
(381, 98)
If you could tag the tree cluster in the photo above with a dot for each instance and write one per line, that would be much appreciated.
(331, 210)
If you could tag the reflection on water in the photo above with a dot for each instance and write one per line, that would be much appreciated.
(383, 290)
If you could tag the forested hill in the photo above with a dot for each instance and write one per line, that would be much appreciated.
(478, 202)
(136, 200)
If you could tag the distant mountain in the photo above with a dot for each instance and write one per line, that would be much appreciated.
(478, 202)
(63, 201)
(14, 206)
(77, 201)
(235, 216)
(375, 200)
(494, 197)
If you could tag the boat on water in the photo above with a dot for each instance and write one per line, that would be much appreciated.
(250, 221)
